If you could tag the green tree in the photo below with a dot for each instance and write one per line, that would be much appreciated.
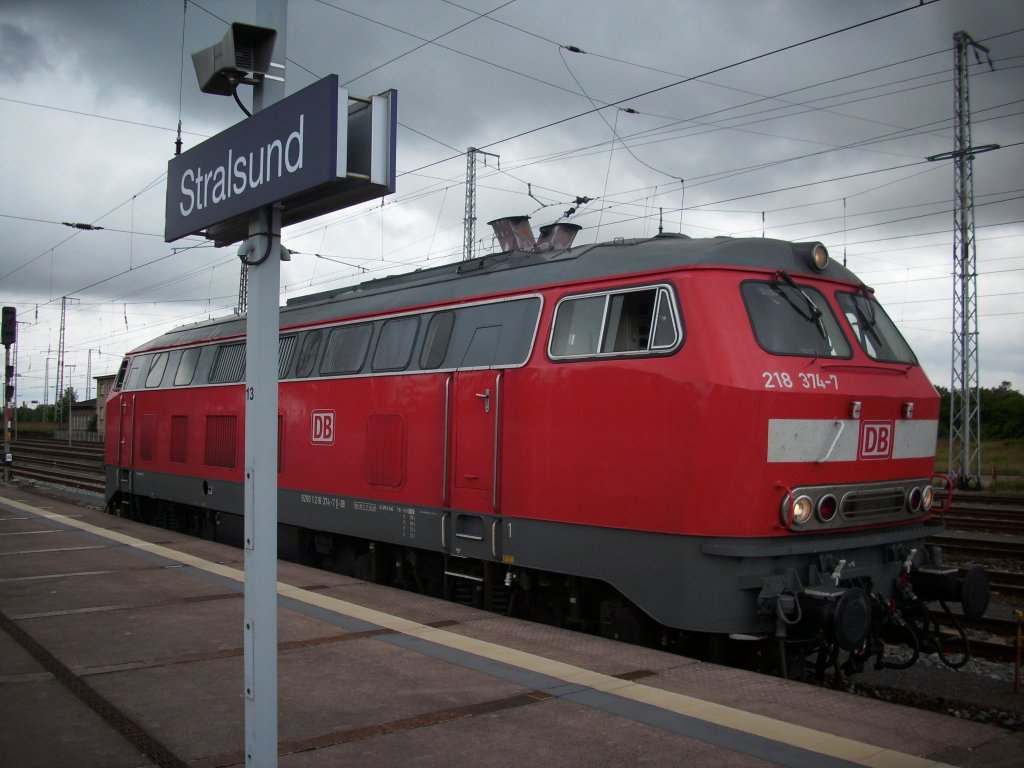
(1002, 412)
(63, 405)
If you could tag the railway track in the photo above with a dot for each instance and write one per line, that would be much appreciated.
(987, 512)
(980, 526)
(79, 465)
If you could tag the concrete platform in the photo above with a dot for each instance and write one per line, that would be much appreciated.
(121, 645)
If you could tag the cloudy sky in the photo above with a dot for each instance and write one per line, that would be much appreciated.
(797, 119)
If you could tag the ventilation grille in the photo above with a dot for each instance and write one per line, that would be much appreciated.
(385, 449)
(280, 443)
(285, 347)
(229, 366)
(147, 441)
(179, 439)
(220, 441)
(874, 503)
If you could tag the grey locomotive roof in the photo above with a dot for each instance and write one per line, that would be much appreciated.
(517, 271)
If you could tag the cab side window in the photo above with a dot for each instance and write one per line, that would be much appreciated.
(635, 321)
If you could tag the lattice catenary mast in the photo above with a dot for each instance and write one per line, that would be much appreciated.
(58, 406)
(469, 235)
(469, 222)
(965, 408)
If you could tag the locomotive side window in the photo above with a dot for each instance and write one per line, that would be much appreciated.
(187, 366)
(121, 373)
(578, 327)
(229, 365)
(139, 364)
(439, 333)
(640, 320)
(666, 327)
(494, 333)
(156, 370)
(483, 345)
(394, 348)
(793, 320)
(346, 349)
(308, 353)
(875, 332)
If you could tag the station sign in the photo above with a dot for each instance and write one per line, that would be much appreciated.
(313, 152)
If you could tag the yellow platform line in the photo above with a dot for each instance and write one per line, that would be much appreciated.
(763, 726)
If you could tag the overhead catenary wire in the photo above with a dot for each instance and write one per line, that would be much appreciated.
(707, 73)
(753, 58)
(448, 186)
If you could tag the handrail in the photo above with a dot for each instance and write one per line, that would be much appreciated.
(835, 441)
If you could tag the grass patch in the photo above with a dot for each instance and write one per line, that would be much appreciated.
(35, 428)
(1002, 463)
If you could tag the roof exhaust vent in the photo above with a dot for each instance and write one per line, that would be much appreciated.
(514, 233)
(557, 236)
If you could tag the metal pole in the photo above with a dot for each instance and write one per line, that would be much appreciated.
(7, 418)
(1019, 616)
(69, 407)
(261, 385)
(260, 640)
(15, 391)
(965, 396)
(58, 416)
(469, 229)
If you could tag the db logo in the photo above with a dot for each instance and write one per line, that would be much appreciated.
(323, 428)
(876, 440)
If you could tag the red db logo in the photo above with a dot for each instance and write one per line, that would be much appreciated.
(876, 440)
(323, 428)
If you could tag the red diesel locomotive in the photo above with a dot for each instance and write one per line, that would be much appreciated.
(716, 436)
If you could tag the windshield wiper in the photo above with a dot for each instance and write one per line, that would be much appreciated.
(813, 314)
(866, 313)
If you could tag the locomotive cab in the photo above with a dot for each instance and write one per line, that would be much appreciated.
(851, 440)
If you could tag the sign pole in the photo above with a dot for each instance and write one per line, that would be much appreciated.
(322, 154)
(261, 384)
(263, 261)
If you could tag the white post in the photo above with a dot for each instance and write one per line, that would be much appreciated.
(261, 383)
(260, 641)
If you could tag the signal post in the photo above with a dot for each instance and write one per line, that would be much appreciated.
(10, 336)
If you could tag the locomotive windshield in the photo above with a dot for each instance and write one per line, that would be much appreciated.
(793, 320)
(874, 330)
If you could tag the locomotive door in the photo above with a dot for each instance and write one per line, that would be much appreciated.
(125, 430)
(475, 408)
(125, 440)
(473, 468)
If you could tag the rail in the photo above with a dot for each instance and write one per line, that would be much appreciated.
(79, 465)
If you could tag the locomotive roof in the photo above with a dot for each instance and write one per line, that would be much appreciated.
(517, 271)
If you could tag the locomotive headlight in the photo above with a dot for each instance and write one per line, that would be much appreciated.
(927, 498)
(920, 499)
(819, 257)
(815, 254)
(797, 511)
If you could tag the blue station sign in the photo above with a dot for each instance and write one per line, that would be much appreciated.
(311, 152)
